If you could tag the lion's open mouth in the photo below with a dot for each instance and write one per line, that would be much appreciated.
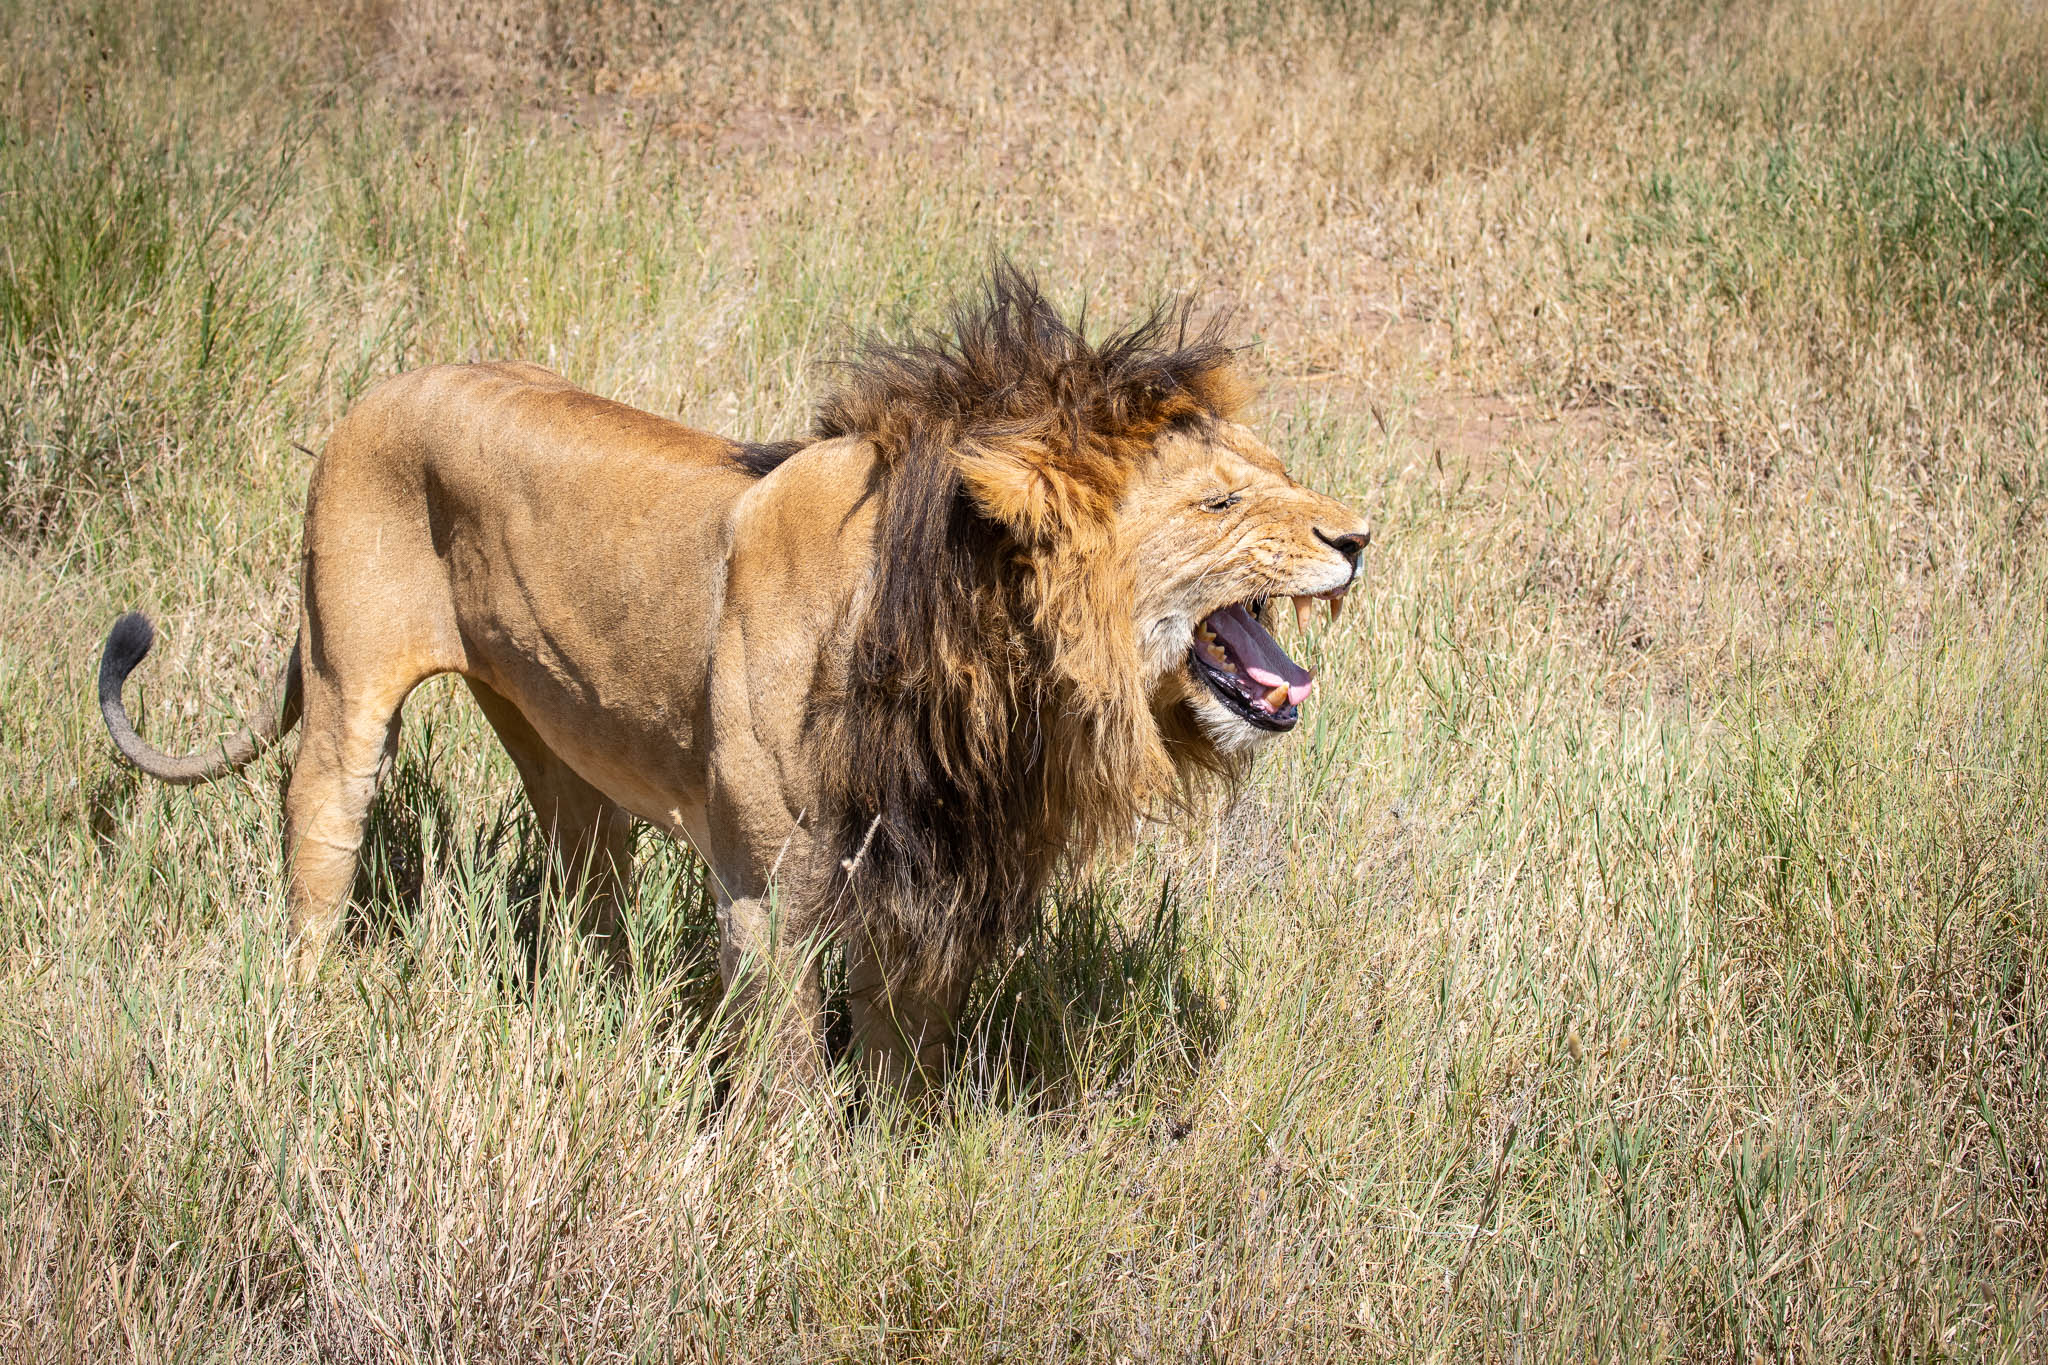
(1245, 667)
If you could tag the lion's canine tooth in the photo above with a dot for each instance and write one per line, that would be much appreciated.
(1277, 698)
(1336, 603)
(1301, 610)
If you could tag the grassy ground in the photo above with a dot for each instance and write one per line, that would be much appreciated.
(1638, 954)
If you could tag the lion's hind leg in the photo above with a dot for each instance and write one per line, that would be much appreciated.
(588, 835)
(347, 741)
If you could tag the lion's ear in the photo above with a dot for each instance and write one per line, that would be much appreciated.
(1025, 487)
(1012, 488)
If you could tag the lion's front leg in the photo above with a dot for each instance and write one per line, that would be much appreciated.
(769, 952)
(903, 1025)
(770, 970)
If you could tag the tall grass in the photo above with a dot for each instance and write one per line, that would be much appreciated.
(1638, 952)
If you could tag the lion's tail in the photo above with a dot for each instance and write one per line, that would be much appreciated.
(127, 643)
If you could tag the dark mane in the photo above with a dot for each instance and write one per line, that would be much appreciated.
(761, 458)
(991, 718)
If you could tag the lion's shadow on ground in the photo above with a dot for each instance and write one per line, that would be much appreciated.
(1098, 993)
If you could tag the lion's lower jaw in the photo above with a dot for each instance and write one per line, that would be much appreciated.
(1233, 736)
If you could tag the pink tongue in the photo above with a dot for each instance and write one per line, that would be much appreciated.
(1259, 654)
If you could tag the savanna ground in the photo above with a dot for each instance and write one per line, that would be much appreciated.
(1638, 953)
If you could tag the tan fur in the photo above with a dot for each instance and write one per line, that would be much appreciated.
(665, 627)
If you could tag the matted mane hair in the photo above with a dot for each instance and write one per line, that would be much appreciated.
(993, 716)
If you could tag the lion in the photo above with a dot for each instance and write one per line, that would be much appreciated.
(1012, 594)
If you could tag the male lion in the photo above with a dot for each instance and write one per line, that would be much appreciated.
(1010, 595)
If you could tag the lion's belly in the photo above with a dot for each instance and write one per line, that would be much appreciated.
(608, 683)
(583, 552)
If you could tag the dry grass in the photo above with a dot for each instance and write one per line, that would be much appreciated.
(1637, 955)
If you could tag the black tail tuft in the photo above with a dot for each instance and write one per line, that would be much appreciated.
(127, 643)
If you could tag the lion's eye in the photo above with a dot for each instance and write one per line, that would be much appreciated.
(1222, 502)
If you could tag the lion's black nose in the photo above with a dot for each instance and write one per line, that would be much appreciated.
(1350, 544)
